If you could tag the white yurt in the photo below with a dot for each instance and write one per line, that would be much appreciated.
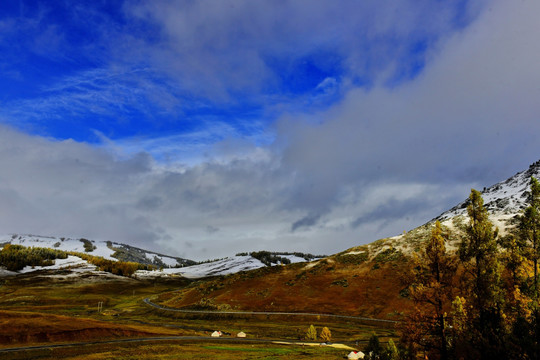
(355, 355)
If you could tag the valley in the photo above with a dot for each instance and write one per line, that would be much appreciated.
(45, 311)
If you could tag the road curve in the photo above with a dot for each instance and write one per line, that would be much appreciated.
(165, 308)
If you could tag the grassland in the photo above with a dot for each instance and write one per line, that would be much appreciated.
(44, 310)
(184, 350)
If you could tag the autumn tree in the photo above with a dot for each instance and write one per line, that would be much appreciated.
(529, 226)
(390, 351)
(311, 333)
(526, 328)
(325, 335)
(478, 252)
(431, 289)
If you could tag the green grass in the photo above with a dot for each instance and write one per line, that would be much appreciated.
(277, 351)
(180, 351)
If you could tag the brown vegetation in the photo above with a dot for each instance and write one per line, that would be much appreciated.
(326, 286)
(27, 327)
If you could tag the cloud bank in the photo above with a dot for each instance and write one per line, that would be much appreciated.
(381, 159)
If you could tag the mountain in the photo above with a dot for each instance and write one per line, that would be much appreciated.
(106, 249)
(167, 265)
(502, 199)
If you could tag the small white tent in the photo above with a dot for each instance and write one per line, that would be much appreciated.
(241, 334)
(216, 334)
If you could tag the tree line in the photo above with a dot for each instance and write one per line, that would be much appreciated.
(271, 257)
(480, 301)
(16, 257)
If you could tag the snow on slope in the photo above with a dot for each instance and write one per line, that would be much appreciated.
(504, 198)
(101, 249)
(170, 262)
(71, 262)
(229, 265)
(224, 266)
(65, 244)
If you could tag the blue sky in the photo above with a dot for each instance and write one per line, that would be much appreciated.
(257, 123)
(72, 70)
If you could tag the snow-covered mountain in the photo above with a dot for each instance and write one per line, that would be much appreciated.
(168, 265)
(508, 197)
(106, 249)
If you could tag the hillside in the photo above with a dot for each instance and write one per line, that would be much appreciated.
(106, 249)
(346, 284)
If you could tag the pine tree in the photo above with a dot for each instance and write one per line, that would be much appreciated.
(374, 350)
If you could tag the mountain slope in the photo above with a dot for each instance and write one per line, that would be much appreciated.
(504, 198)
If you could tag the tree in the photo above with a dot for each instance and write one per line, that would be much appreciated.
(529, 226)
(325, 335)
(390, 351)
(529, 243)
(373, 351)
(431, 289)
(479, 254)
(311, 333)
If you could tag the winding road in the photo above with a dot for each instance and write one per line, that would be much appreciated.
(359, 318)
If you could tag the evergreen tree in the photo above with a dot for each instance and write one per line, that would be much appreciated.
(374, 350)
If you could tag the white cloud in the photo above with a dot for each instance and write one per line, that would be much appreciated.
(379, 162)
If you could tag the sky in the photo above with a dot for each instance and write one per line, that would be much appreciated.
(205, 128)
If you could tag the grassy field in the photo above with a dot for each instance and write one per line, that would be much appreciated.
(172, 350)
(44, 310)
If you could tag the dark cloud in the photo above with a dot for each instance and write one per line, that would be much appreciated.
(306, 221)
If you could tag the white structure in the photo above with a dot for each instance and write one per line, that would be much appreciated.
(355, 355)
(216, 334)
(241, 334)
